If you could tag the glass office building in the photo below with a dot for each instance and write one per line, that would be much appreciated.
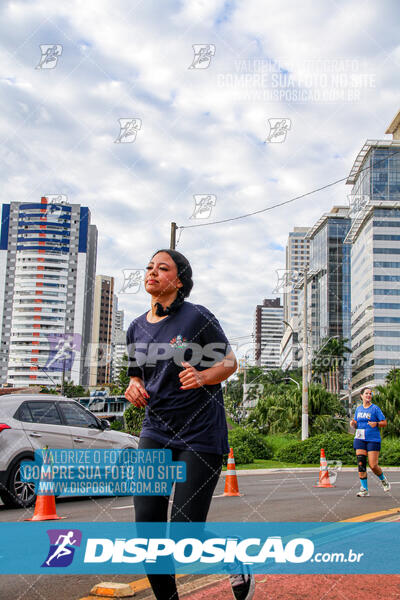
(374, 239)
(329, 282)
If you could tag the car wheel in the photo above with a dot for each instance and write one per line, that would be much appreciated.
(19, 494)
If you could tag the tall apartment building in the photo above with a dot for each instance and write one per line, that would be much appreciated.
(119, 350)
(297, 258)
(118, 322)
(268, 331)
(118, 342)
(47, 266)
(374, 239)
(102, 331)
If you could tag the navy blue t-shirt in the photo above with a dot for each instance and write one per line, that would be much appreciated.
(191, 419)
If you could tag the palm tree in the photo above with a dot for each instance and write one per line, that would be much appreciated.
(329, 360)
(279, 411)
(393, 375)
(388, 399)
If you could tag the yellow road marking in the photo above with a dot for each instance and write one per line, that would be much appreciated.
(372, 515)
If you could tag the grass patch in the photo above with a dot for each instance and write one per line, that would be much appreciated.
(280, 440)
(269, 464)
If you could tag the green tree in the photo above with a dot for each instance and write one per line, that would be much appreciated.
(279, 411)
(393, 375)
(233, 392)
(133, 417)
(74, 391)
(123, 377)
(388, 399)
(47, 390)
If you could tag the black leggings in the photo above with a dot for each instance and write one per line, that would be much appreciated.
(191, 502)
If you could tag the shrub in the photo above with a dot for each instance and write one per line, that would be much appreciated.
(117, 425)
(390, 452)
(243, 454)
(337, 446)
(252, 440)
(134, 419)
(279, 441)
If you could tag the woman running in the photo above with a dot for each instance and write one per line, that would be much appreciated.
(367, 440)
(184, 403)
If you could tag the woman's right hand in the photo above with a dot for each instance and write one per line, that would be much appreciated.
(136, 393)
(353, 423)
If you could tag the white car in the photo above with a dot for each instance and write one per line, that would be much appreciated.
(32, 422)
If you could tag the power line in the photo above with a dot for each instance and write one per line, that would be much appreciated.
(324, 187)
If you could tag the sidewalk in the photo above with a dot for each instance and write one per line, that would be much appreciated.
(311, 587)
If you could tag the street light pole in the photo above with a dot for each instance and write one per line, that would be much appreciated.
(244, 385)
(173, 236)
(304, 397)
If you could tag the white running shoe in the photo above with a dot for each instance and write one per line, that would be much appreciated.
(385, 484)
(363, 492)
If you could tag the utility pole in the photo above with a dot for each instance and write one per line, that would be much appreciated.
(349, 398)
(62, 378)
(173, 236)
(304, 397)
(244, 387)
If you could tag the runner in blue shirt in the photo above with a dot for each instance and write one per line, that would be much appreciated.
(367, 440)
(178, 357)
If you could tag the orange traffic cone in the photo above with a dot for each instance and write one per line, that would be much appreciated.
(324, 480)
(231, 482)
(45, 506)
(45, 509)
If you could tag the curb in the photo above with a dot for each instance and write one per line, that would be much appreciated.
(142, 588)
(112, 589)
(298, 470)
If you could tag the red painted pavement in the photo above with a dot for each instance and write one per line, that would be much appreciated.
(311, 587)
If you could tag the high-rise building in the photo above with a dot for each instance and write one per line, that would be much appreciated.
(374, 239)
(118, 342)
(102, 330)
(329, 277)
(119, 319)
(297, 258)
(119, 350)
(47, 265)
(268, 331)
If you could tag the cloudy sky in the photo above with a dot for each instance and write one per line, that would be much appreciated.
(197, 81)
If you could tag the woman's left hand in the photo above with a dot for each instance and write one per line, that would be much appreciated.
(372, 423)
(190, 378)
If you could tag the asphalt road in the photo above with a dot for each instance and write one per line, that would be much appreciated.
(277, 496)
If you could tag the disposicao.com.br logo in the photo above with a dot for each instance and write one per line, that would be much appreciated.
(206, 548)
